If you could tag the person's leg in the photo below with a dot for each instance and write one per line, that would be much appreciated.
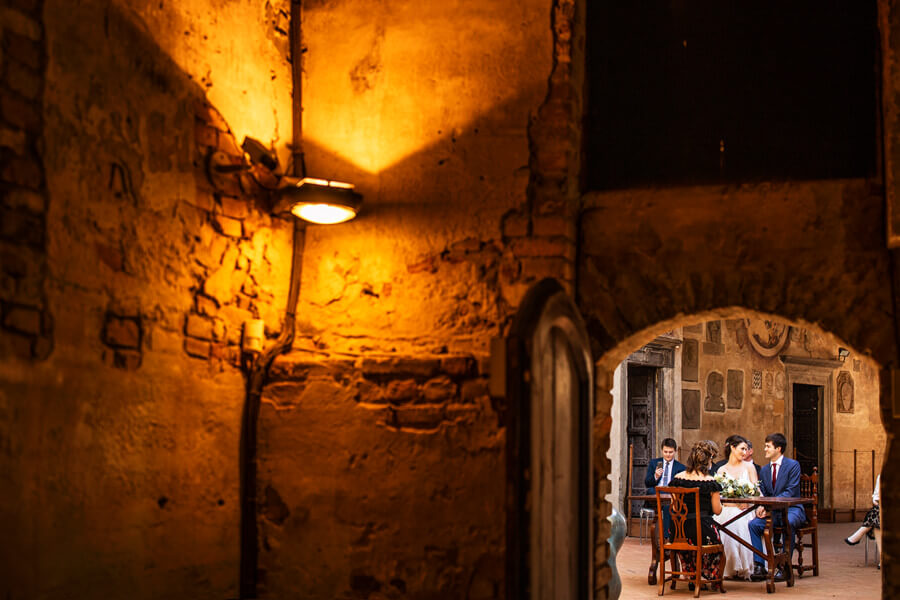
(857, 535)
(878, 543)
(796, 519)
(757, 526)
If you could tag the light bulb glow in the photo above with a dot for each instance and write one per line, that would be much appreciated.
(322, 214)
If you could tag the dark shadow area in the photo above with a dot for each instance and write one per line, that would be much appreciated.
(707, 92)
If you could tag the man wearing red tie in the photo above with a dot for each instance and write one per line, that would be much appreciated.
(780, 477)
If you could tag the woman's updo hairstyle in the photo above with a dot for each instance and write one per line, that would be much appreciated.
(701, 456)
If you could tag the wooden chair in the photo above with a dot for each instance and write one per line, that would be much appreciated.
(678, 512)
(808, 534)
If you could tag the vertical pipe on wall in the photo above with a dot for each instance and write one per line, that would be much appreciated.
(296, 41)
(258, 369)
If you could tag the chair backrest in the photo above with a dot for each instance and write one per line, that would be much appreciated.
(809, 488)
(678, 513)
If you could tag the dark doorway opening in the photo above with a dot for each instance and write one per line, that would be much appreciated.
(807, 416)
(642, 390)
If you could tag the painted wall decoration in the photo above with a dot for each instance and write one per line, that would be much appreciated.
(767, 338)
(844, 400)
(735, 388)
(690, 360)
(690, 409)
(715, 386)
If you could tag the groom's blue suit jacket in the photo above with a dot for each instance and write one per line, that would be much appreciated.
(787, 483)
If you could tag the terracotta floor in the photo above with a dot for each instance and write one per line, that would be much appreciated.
(841, 573)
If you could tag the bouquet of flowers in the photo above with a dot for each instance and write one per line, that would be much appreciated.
(732, 488)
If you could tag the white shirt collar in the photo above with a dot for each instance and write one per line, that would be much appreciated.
(778, 462)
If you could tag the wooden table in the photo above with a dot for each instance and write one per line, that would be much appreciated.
(773, 559)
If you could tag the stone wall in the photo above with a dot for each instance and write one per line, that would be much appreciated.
(126, 279)
(381, 476)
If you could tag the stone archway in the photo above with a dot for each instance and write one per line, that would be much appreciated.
(795, 370)
(809, 252)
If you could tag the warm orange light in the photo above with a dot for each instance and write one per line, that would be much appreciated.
(323, 214)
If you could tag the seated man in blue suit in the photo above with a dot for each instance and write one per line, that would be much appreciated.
(779, 477)
(660, 472)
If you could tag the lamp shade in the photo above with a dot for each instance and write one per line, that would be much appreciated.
(319, 200)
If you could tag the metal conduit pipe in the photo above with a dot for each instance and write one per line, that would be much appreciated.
(258, 368)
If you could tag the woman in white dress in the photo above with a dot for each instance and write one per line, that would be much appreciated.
(739, 559)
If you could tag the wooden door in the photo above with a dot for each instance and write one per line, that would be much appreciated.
(549, 395)
(641, 392)
(806, 402)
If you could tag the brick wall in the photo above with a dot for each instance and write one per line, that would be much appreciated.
(26, 325)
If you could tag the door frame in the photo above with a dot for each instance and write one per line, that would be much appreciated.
(546, 306)
(819, 372)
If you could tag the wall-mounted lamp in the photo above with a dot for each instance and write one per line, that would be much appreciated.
(843, 353)
(317, 200)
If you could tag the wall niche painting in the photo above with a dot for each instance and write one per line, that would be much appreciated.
(845, 392)
(735, 388)
(715, 386)
(690, 409)
(690, 360)
(767, 338)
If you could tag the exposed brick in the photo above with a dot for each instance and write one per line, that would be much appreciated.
(458, 365)
(22, 49)
(425, 367)
(27, 6)
(515, 225)
(20, 113)
(418, 417)
(474, 390)
(369, 393)
(229, 354)
(21, 227)
(23, 320)
(543, 247)
(205, 136)
(400, 392)
(228, 226)
(438, 389)
(24, 198)
(128, 360)
(234, 207)
(219, 330)
(204, 200)
(20, 23)
(14, 139)
(122, 332)
(199, 327)
(24, 172)
(556, 225)
(197, 348)
(454, 412)
(206, 305)
(23, 80)
(539, 268)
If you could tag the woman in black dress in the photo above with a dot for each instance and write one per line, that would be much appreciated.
(697, 476)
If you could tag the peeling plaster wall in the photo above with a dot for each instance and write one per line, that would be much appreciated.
(381, 454)
(121, 407)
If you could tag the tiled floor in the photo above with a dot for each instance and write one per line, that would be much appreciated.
(841, 573)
